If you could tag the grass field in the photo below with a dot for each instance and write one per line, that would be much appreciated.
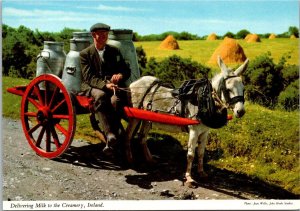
(202, 50)
(263, 144)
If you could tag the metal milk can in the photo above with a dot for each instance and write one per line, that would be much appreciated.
(71, 76)
(122, 39)
(51, 59)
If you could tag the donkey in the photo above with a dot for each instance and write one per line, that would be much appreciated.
(145, 92)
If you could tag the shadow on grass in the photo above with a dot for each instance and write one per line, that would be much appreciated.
(170, 165)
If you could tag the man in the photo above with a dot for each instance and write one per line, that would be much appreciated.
(103, 69)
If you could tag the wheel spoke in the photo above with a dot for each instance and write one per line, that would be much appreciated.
(60, 116)
(48, 140)
(46, 91)
(36, 104)
(38, 93)
(61, 129)
(34, 128)
(30, 114)
(58, 105)
(40, 137)
(55, 137)
(56, 90)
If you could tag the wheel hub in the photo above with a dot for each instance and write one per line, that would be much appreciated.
(43, 115)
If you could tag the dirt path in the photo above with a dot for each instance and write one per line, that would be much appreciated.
(83, 173)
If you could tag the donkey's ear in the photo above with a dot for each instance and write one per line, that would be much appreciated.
(222, 66)
(242, 68)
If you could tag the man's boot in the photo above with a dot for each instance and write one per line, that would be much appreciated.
(105, 125)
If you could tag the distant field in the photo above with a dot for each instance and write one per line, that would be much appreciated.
(201, 50)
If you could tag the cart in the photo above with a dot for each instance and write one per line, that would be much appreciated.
(48, 114)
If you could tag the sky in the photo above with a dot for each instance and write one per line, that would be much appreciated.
(200, 17)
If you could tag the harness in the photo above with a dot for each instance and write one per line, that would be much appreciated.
(222, 89)
(199, 93)
(158, 83)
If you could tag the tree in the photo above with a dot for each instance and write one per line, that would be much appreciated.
(15, 59)
(26, 35)
(229, 35)
(293, 30)
(242, 34)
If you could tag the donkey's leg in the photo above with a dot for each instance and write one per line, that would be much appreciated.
(146, 126)
(192, 143)
(131, 128)
(201, 150)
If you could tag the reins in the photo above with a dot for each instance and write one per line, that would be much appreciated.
(222, 89)
(217, 94)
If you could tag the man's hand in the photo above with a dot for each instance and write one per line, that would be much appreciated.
(116, 78)
(111, 86)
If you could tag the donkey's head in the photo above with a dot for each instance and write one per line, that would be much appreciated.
(230, 88)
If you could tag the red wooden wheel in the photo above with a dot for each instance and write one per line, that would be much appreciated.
(48, 116)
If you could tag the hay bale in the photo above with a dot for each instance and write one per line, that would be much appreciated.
(230, 51)
(212, 36)
(169, 43)
(253, 38)
(272, 36)
(247, 37)
(293, 36)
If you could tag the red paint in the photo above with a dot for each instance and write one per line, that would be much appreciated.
(43, 116)
(158, 117)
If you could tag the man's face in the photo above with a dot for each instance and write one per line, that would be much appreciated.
(100, 36)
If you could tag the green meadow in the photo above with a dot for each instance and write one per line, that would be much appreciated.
(264, 144)
(202, 50)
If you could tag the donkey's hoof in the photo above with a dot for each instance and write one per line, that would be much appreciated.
(192, 184)
(152, 162)
(108, 151)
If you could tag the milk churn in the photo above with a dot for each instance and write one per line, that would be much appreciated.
(83, 36)
(71, 77)
(122, 39)
(51, 59)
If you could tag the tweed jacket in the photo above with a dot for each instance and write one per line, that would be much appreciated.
(95, 71)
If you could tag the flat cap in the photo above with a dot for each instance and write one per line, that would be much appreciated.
(99, 26)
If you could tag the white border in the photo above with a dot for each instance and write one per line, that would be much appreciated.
(154, 205)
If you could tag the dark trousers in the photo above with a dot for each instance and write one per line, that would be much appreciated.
(107, 116)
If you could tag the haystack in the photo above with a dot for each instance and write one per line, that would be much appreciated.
(272, 36)
(253, 38)
(247, 37)
(169, 43)
(293, 36)
(230, 51)
(212, 36)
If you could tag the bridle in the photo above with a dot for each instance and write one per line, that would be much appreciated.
(223, 89)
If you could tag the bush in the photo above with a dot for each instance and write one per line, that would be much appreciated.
(142, 58)
(263, 80)
(289, 98)
(290, 74)
(175, 69)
